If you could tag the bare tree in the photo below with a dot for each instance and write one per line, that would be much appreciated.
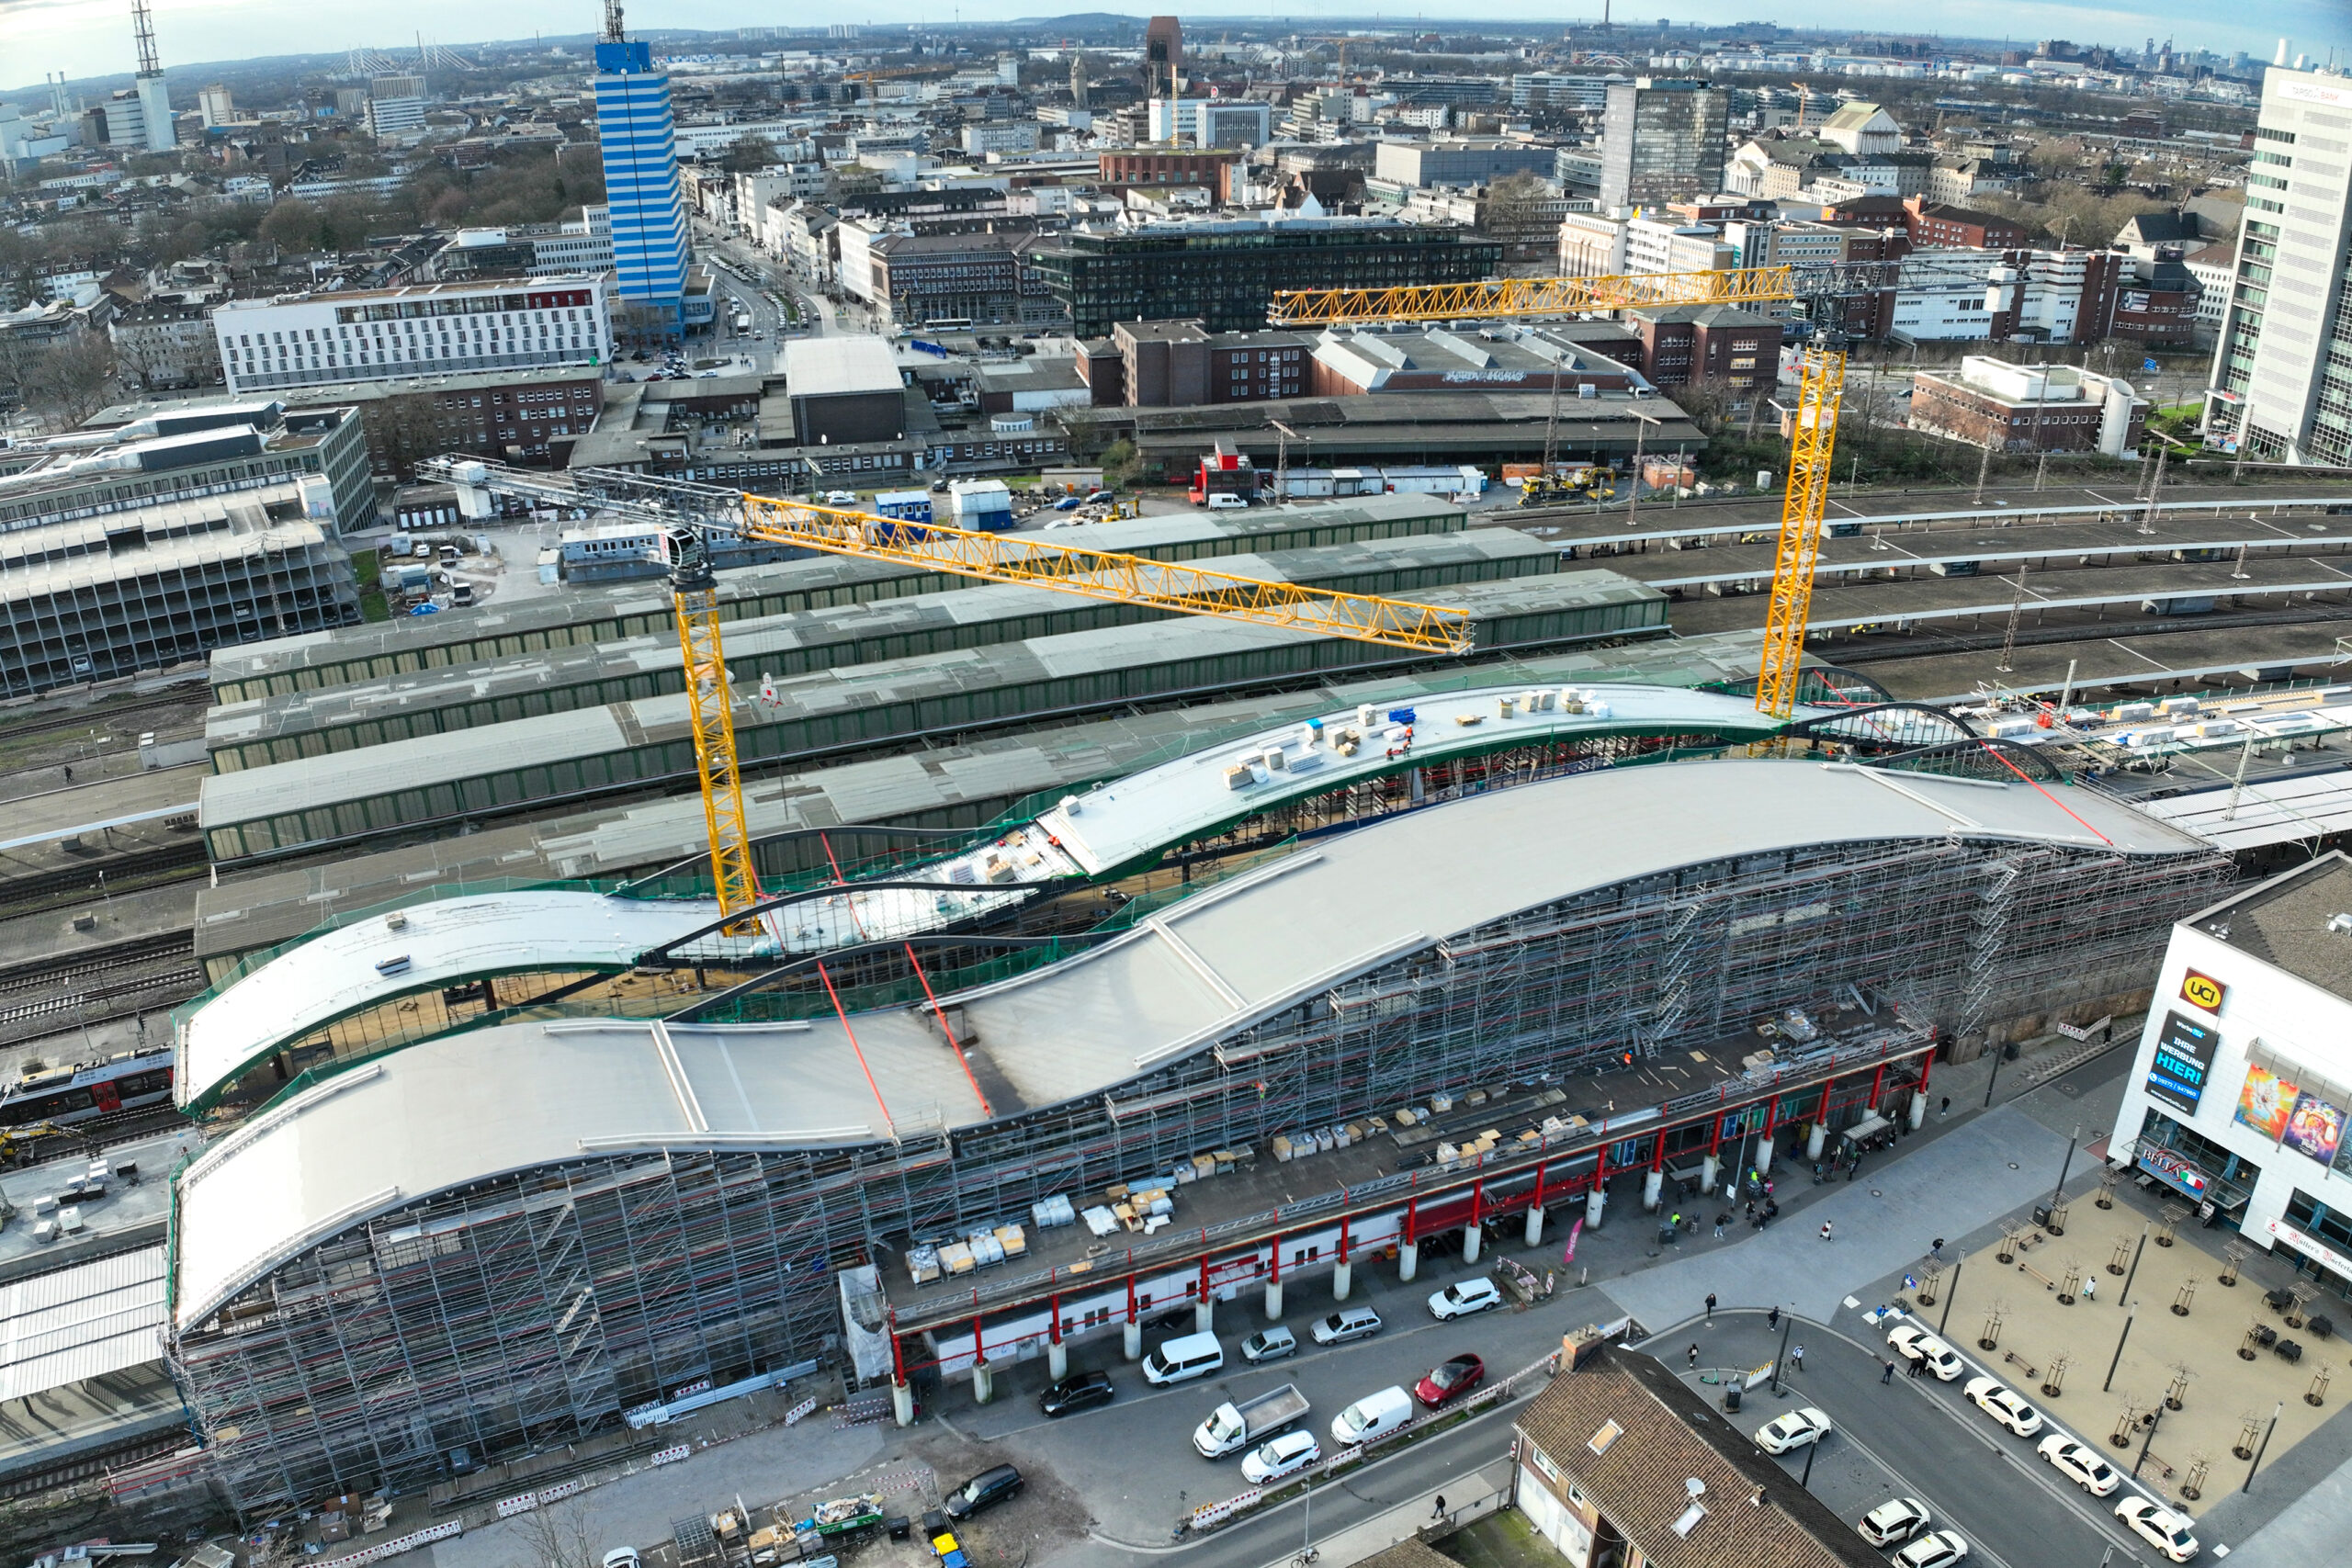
(559, 1535)
(71, 377)
(403, 427)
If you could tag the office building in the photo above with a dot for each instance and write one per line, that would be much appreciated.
(133, 456)
(2236, 1099)
(2029, 408)
(1662, 139)
(647, 203)
(434, 329)
(217, 107)
(157, 131)
(2282, 369)
(1724, 346)
(1459, 162)
(1224, 272)
(1210, 122)
(396, 107)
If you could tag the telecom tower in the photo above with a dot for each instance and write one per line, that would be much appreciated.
(638, 137)
(155, 97)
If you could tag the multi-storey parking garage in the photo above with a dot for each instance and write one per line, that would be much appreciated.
(501, 1239)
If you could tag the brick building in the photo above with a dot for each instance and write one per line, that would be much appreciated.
(2158, 301)
(1695, 345)
(1149, 167)
(1179, 364)
(1932, 223)
(2029, 408)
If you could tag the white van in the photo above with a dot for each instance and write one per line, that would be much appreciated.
(1221, 501)
(1182, 1360)
(1374, 1415)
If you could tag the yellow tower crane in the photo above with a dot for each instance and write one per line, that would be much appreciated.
(1812, 440)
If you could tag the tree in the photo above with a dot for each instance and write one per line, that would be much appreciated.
(293, 225)
(1120, 462)
(561, 1534)
(1515, 204)
(400, 429)
(750, 154)
(70, 378)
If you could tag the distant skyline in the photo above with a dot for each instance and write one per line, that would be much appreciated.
(92, 37)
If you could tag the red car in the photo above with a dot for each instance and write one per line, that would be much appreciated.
(1450, 1382)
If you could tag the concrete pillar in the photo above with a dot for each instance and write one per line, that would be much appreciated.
(1595, 1202)
(983, 1383)
(902, 1404)
(1711, 1175)
(1653, 1190)
(1534, 1226)
(1274, 1299)
(1343, 1280)
(1058, 1360)
(1409, 1261)
(1815, 1139)
(1764, 1147)
(1472, 1237)
(1919, 1107)
(1205, 1315)
(1133, 1345)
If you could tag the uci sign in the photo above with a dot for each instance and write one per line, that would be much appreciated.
(2202, 990)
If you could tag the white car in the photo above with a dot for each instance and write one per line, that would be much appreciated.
(2159, 1526)
(1898, 1518)
(2080, 1463)
(1794, 1430)
(1463, 1298)
(1916, 1344)
(1285, 1455)
(1933, 1550)
(621, 1557)
(2002, 1404)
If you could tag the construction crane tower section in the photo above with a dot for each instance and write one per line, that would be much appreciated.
(1532, 295)
(1812, 446)
(710, 701)
(1173, 586)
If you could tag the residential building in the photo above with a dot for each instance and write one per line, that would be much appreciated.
(1667, 245)
(636, 133)
(1619, 1461)
(1212, 169)
(530, 417)
(2237, 1097)
(1959, 181)
(2030, 408)
(372, 334)
(1179, 364)
(396, 106)
(1225, 272)
(1686, 345)
(182, 450)
(2282, 368)
(164, 342)
(1662, 139)
(2156, 302)
(1001, 136)
(102, 598)
(217, 107)
(1210, 122)
(1459, 163)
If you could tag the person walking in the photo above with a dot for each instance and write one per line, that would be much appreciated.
(1937, 1251)
(1825, 1230)
(1773, 1318)
(1796, 1359)
(1719, 1225)
(1695, 1357)
(1945, 1109)
(1437, 1512)
(1887, 1376)
(1711, 1295)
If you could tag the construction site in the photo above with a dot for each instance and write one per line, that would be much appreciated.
(1006, 941)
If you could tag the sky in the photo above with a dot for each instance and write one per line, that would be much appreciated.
(92, 37)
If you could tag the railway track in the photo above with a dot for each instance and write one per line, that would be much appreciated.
(75, 1005)
(66, 969)
(99, 719)
(47, 890)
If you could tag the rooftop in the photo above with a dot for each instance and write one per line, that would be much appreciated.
(410, 291)
(2301, 922)
(1755, 1513)
(829, 367)
(469, 1107)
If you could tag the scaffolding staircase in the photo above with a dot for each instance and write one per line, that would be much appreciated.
(1987, 942)
(1681, 946)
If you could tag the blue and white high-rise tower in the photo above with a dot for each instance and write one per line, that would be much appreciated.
(639, 140)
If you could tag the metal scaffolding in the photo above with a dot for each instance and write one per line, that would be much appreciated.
(528, 1310)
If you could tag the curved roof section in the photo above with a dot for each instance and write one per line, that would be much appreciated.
(459, 1109)
(1116, 825)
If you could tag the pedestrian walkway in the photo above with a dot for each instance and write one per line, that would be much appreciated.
(1884, 1219)
(1473, 1495)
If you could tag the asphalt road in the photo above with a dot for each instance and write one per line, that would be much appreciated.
(1917, 1437)
(1133, 1461)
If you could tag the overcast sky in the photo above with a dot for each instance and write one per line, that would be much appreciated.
(92, 37)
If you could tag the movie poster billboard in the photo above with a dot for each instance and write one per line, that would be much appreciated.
(2266, 1102)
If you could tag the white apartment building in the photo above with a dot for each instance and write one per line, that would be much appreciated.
(1944, 295)
(2237, 1097)
(1655, 244)
(1212, 122)
(375, 335)
(1592, 244)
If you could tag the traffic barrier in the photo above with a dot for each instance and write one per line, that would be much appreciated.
(671, 1455)
(792, 1418)
(399, 1544)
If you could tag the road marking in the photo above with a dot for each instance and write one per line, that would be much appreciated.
(2155, 663)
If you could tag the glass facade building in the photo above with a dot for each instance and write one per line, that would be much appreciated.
(1661, 141)
(1225, 275)
(2282, 367)
(649, 211)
